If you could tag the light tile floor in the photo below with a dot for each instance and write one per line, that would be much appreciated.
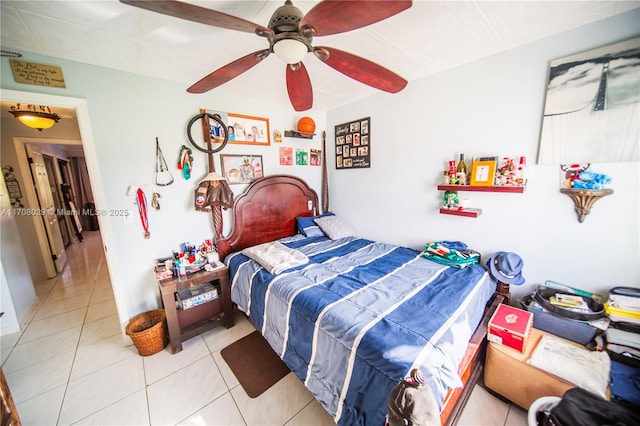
(70, 366)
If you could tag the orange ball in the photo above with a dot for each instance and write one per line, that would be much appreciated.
(306, 125)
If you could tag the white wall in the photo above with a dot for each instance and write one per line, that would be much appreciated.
(126, 113)
(490, 107)
(17, 295)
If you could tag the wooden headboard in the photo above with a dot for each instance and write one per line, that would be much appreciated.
(267, 210)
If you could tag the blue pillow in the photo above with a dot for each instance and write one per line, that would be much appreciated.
(307, 226)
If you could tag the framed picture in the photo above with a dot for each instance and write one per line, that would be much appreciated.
(315, 157)
(243, 129)
(286, 156)
(241, 168)
(591, 98)
(302, 157)
(352, 144)
(483, 173)
(212, 130)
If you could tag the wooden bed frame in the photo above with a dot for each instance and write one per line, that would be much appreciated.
(267, 211)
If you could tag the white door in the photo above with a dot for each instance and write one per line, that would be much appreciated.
(46, 208)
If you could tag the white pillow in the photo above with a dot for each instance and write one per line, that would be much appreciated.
(275, 257)
(335, 227)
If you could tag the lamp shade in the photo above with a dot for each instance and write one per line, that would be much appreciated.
(290, 51)
(31, 117)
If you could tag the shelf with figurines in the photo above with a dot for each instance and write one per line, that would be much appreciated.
(519, 189)
(454, 206)
(485, 176)
(584, 187)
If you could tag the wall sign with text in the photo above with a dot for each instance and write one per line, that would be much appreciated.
(353, 150)
(37, 74)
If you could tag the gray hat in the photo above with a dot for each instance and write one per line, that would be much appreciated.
(506, 267)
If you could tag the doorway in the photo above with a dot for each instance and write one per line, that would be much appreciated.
(47, 205)
(53, 174)
(79, 107)
(69, 197)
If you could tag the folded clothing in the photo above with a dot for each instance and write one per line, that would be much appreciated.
(450, 253)
(275, 257)
(625, 384)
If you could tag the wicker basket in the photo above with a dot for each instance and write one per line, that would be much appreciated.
(148, 331)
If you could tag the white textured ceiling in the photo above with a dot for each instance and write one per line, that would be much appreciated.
(430, 37)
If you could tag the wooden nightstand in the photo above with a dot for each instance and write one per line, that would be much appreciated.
(185, 324)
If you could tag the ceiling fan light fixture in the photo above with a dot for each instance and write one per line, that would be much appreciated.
(35, 117)
(290, 50)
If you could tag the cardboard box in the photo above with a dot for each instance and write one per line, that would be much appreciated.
(510, 326)
(508, 374)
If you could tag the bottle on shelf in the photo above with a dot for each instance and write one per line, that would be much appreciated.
(521, 172)
(461, 171)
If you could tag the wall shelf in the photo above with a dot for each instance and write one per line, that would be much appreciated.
(461, 212)
(497, 188)
(295, 134)
(584, 199)
(473, 188)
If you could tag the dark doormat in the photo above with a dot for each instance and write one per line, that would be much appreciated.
(256, 366)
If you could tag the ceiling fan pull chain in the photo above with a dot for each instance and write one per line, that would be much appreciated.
(161, 166)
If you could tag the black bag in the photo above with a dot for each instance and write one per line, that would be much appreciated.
(543, 296)
(576, 331)
(581, 407)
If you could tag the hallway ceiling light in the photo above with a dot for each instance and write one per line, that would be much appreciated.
(36, 117)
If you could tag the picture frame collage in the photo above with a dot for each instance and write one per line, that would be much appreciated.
(255, 131)
(353, 144)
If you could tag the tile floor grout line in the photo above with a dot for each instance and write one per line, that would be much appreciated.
(75, 353)
(35, 313)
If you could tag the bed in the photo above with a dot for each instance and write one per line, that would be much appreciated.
(358, 315)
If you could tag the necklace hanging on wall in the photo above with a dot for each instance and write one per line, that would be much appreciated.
(162, 168)
(185, 161)
(142, 210)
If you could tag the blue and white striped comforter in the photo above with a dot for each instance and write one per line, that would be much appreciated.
(359, 316)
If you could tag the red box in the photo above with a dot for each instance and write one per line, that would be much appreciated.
(510, 326)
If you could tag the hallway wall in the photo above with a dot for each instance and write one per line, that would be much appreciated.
(17, 294)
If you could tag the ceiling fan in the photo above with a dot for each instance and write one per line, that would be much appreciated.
(290, 34)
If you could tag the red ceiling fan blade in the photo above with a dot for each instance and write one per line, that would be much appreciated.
(333, 17)
(199, 14)
(361, 69)
(228, 72)
(299, 87)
